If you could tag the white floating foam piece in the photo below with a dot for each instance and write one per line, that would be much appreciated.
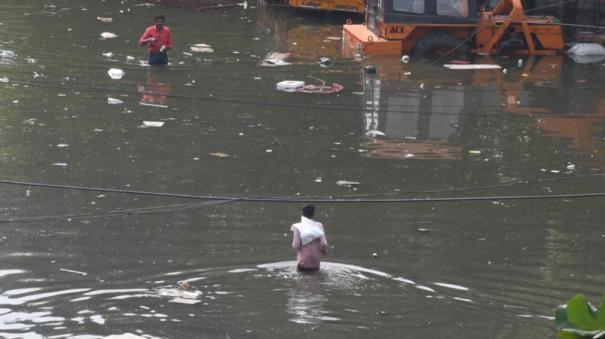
(153, 123)
(115, 73)
(289, 85)
(472, 66)
(114, 101)
(185, 301)
(108, 35)
(201, 48)
(347, 183)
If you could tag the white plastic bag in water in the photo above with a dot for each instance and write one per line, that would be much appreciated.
(587, 49)
(115, 73)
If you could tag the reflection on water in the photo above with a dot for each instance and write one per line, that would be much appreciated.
(155, 92)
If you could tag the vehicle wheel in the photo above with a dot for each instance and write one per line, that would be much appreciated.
(440, 44)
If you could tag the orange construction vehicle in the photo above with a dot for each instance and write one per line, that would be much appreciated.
(433, 27)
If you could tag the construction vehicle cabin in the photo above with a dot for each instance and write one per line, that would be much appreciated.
(436, 27)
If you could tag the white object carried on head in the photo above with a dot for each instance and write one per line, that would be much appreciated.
(308, 229)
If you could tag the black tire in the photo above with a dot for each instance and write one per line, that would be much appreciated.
(440, 45)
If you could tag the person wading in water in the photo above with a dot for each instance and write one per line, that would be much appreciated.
(308, 241)
(159, 39)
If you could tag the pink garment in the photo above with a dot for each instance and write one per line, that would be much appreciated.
(309, 255)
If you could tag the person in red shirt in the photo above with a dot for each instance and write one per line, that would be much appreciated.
(159, 39)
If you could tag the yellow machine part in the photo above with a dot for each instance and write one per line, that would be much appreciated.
(357, 6)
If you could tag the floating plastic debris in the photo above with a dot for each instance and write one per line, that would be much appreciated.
(220, 155)
(62, 145)
(405, 59)
(320, 89)
(347, 183)
(108, 54)
(108, 35)
(471, 66)
(152, 105)
(571, 167)
(115, 73)
(114, 101)
(375, 133)
(6, 53)
(105, 19)
(273, 59)
(185, 301)
(289, 85)
(474, 151)
(4, 80)
(60, 164)
(201, 48)
(153, 123)
(325, 61)
(130, 58)
(318, 179)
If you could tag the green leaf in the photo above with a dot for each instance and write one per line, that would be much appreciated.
(567, 335)
(601, 316)
(581, 313)
(561, 318)
(580, 333)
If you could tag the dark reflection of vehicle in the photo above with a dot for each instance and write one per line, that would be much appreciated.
(423, 116)
(418, 123)
(155, 92)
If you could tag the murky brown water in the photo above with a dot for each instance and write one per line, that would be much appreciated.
(86, 264)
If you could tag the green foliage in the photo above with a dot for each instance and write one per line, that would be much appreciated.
(579, 319)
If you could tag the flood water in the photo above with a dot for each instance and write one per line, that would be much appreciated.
(86, 263)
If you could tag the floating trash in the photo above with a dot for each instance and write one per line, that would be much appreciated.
(375, 133)
(6, 53)
(324, 61)
(347, 183)
(185, 301)
(114, 101)
(471, 66)
(220, 155)
(201, 48)
(4, 80)
(273, 59)
(105, 19)
(60, 164)
(108, 54)
(320, 89)
(405, 59)
(108, 35)
(153, 123)
(115, 73)
(289, 85)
